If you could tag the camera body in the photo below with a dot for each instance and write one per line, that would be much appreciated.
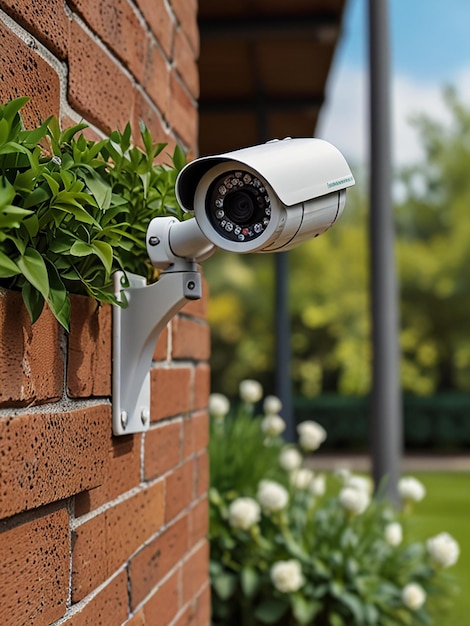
(266, 198)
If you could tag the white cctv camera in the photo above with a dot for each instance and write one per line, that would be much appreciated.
(267, 198)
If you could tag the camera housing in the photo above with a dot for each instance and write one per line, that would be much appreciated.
(266, 198)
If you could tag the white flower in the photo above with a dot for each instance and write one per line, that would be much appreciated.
(272, 496)
(290, 459)
(301, 478)
(244, 513)
(353, 500)
(361, 483)
(273, 425)
(318, 485)
(443, 549)
(393, 534)
(272, 405)
(311, 435)
(413, 596)
(411, 488)
(343, 473)
(250, 391)
(287, 576)
(219, 405)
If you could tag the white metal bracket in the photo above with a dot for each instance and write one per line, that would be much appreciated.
(136, 329)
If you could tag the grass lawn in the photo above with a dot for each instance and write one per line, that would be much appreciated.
(446, 507)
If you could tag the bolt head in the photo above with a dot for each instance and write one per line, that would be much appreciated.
(145, 415)
(124, 419)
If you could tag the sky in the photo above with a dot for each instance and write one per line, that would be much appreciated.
(429, 49)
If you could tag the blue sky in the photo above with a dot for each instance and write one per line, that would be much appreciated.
(430, 47)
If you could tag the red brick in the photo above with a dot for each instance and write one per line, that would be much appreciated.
(196, 433)
(89, 564)
(37, 20)
(162, 449)
(157, 559)
(24, 73)
(202, 385)
(202, 473)
(186, 14)
(161, 348)
(138, 619)
(204, 607)
(147, 112)
(163, 605)
(109, 606)
(90, 349)
(188, 616)
(160, 21)
(156, 80)
(31, 364)
(123, 473)
(108, 540)
(118, 26)
(190, 339)
(186, 63)
(98, 89)
(196, 572)
(179, 490)
(48, 457)
(34, 570)
(182, 114)
(199, 521)
(170, 392)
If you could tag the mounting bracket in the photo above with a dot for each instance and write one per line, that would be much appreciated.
(136, 329)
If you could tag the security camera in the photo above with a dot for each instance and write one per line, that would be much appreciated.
(266, 198)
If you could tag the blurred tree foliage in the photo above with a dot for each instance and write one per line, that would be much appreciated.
(329, 285)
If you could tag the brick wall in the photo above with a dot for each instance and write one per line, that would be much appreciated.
(97, 529)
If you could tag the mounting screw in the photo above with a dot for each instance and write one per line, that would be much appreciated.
(144, 415)
(154, 241)
(191, 285)
(124, 419)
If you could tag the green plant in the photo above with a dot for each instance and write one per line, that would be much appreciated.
(73, 211)
(291, 547)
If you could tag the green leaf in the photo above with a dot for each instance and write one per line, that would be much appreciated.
(225, 585)
(12, 216)
(304, 610)
(81, 248)
(38, 196)
(249, 581)
(8, 268)
(271, 611)
(10, 109)
(105, 253)
(100, 190)
(34, 270)
(7, 192)
(58, 299)
(179, 158)
(33, 300)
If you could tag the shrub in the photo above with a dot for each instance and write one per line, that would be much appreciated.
(290, 546)
(73, 211)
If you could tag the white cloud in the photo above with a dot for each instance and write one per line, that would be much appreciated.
(344, 118)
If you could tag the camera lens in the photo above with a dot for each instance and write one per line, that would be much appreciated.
(238, 205)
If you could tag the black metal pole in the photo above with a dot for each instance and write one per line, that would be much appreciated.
(386, 402)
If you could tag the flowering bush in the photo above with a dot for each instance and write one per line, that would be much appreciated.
(291, 546)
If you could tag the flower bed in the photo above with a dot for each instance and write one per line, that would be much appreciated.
(290, 546)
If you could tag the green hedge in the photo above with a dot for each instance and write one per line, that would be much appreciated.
(440, 422)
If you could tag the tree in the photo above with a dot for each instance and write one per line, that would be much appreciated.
(329, 282)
